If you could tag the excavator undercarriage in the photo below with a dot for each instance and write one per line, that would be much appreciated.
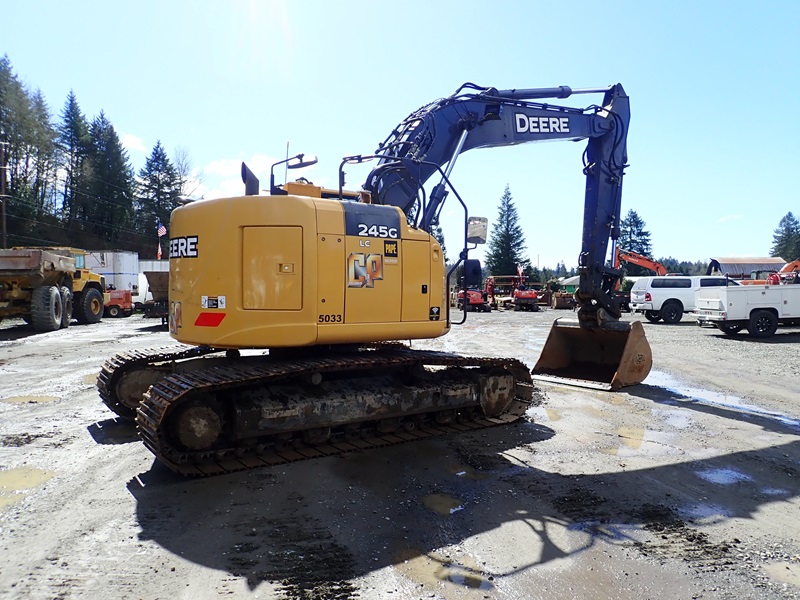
(219, 414)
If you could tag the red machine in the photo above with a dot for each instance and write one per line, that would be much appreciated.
(510, 291)
(119, 304)
(476, 301)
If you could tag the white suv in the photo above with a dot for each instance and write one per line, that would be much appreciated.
(667, 298)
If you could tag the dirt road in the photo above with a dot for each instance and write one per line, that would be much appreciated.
(687, 486)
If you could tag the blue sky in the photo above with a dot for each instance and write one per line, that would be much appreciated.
(713, 85)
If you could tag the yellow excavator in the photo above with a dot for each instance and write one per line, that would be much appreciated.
(291, 304)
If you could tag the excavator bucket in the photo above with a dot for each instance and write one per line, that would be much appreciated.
(605, 358)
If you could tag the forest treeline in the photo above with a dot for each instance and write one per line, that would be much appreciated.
(69, 180)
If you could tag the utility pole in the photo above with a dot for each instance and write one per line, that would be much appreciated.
(3, 196)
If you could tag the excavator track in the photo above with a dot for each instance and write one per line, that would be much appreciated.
(121, 366)
(201, 422)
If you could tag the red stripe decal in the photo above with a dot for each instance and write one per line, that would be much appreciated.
(205, 319)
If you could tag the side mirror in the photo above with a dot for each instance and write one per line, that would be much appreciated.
(472, 273)
(477, 228)
(300, 161)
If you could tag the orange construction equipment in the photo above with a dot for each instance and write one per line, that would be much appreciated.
(786, 274)
(641, 260)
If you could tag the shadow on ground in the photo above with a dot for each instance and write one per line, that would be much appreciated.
(312, 527)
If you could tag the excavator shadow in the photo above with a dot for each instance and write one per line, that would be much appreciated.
(404, 506)
(113, 431)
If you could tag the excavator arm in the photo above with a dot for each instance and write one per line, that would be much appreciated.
(599, 350)
(475, 117)
(641, 260)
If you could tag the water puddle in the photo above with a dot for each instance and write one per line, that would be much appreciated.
(784, 572)
(668, 382)
(29, 399)
(442, 504)
(552, 414)
(704, 512)
(775, 492)
(540, 414)
(723, 476)
(432, 569)
(637, 441)
(14, 482)
(467, 472)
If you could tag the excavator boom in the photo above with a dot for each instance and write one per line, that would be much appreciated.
(475, 117)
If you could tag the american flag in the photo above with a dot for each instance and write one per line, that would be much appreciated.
(161, 229)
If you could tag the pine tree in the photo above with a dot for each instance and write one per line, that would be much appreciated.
(159, 192)
(43, 152)
(74, 143)
(110, 183)
(635, 238)
(786, 241)
(507, 244)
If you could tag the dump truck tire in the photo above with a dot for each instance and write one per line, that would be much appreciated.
(66, 303)
(90, 307)
(46, 308)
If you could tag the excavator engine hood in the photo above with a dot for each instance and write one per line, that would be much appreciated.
(606, 358)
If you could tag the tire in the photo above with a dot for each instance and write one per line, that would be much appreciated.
(66, 302)
(46, 308)
(90, 306)
(763, 323)
(671, 312)
(113, 311)
(652, 315)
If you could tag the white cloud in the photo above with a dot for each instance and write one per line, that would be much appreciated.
(133, 143)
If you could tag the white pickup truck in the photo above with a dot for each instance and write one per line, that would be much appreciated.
(757, 308)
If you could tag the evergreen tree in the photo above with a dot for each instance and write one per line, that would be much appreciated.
(110, 183)
(43, 154)
(786, 241)
(635, 238)
(28, 135)
(159, 192)
(507, 244)
(75, 144)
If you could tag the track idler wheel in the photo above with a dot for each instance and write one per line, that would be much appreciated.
(198, 426)
(316, 437)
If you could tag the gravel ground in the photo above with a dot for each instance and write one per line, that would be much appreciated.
(686, 486)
